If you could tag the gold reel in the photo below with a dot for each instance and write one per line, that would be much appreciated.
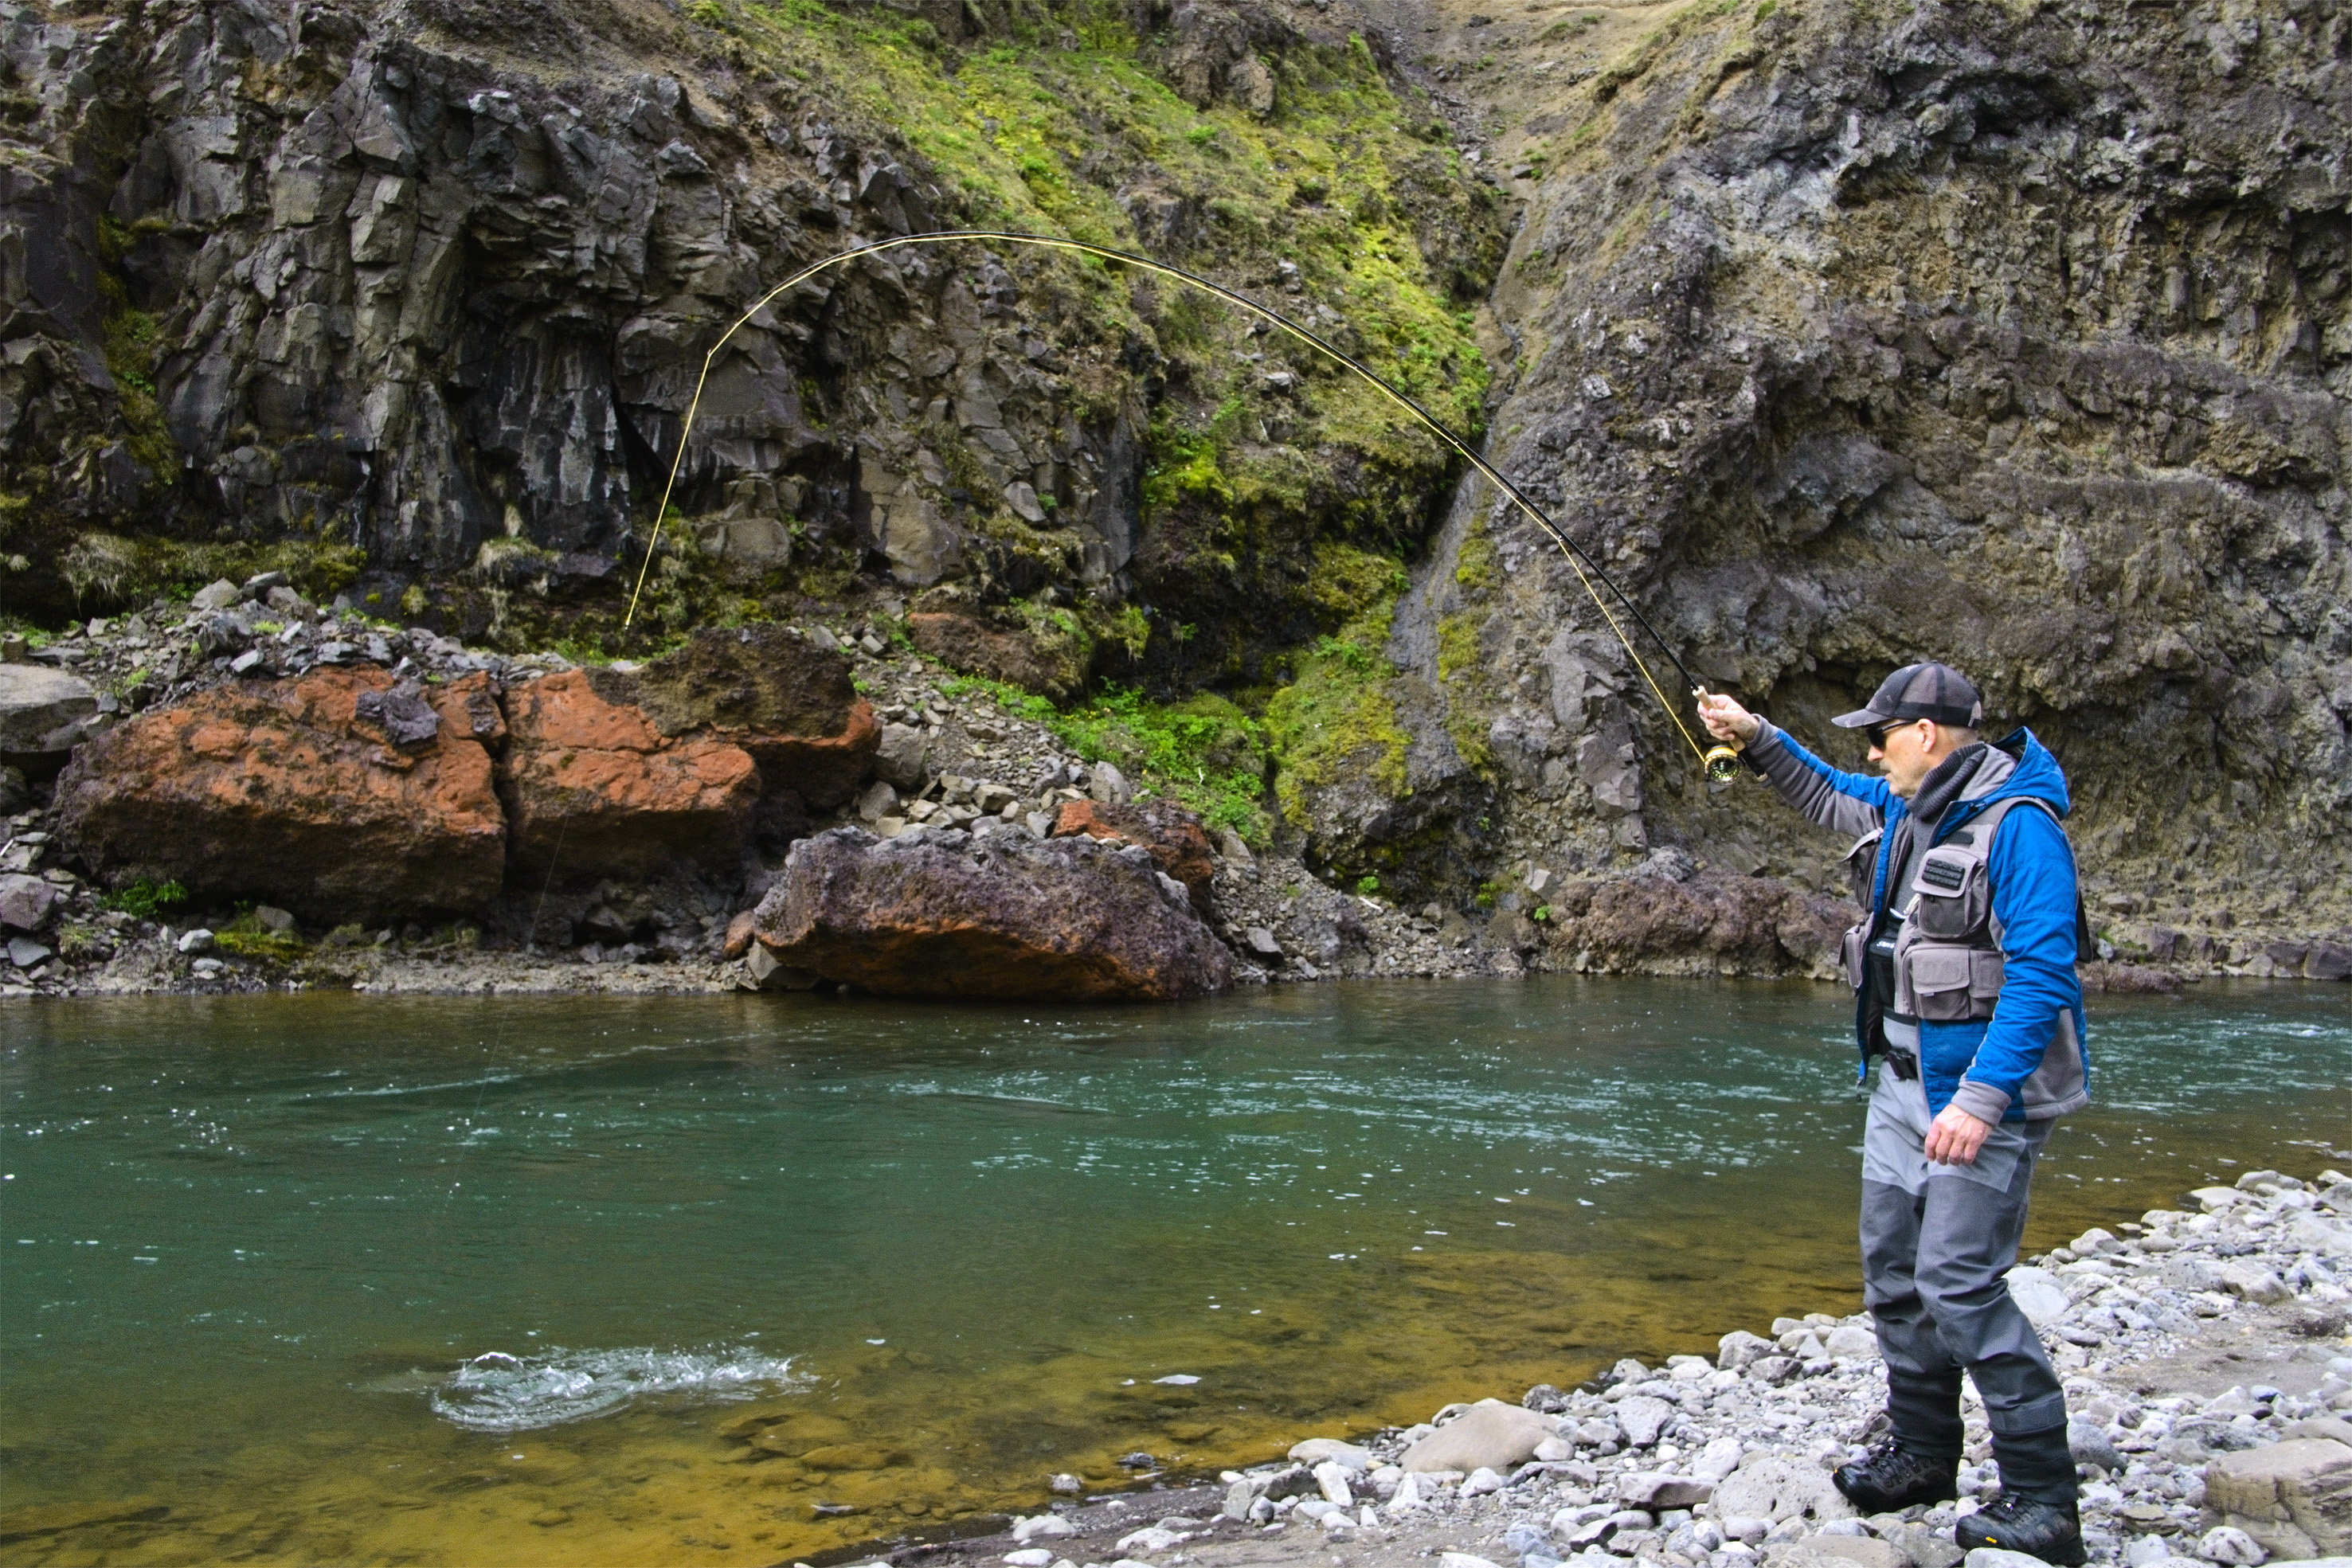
(1723, 764)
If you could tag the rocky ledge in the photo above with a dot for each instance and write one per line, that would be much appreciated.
(1725, 1461)
(251, 790)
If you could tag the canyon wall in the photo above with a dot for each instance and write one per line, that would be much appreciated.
(414, 300)
(2017, 335)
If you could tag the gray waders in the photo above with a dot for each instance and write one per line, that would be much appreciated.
(1937, 1244)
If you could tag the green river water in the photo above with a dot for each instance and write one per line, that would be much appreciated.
(324, 1277)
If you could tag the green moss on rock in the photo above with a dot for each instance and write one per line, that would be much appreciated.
(1337, 717)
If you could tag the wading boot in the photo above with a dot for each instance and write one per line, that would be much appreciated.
(1893, 1477)
(2049, 1530)
(2036, 1513)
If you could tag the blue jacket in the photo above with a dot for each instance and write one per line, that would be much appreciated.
(2003, 1068)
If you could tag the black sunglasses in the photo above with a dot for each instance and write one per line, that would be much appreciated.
(1876, 734)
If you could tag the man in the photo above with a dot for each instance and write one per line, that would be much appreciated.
(1966, 993)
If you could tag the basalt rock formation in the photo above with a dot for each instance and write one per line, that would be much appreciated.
(787, 702)
(2019, 336)
(2016, 336)
(414, 300)
(354, 793)
(342, 794)
(594, 787)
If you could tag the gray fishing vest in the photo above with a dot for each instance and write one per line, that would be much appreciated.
(1948, 958)
(1948, 965)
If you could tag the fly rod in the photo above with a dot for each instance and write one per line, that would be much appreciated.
(1590, 573)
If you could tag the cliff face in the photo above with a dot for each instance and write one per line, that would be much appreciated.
(422, 293)
(2017, 335)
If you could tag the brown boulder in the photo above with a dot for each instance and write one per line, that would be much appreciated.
(1007, 917)
(593, 788)
(1179, 845)
(1665, 919)
(1052, 666)
(784, 700)
(741, 928)
(287, 791)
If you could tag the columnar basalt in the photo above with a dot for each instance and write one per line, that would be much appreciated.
(428, 294)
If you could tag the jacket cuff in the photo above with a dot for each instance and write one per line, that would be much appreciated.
(1768, 739)
(1981, 1099)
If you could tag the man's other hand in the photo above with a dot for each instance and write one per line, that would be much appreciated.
(1726, 719)
(1955, 1136)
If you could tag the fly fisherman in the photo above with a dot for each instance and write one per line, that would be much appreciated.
(1966, 993)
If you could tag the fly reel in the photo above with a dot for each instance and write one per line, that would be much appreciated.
(1723, 764)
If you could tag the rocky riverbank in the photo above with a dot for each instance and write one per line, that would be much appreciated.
(251, 792)
(2209, 1376)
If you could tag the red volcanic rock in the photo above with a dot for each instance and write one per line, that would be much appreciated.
(1053, 668)
(594, 790)
(823, 769)
(339, 795)
(784, 700)
(1007, 917)
(1179, 846)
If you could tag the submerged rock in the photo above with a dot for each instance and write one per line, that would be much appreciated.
(941, 914)
(286, 790)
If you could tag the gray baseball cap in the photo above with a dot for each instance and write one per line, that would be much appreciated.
(1930, 690)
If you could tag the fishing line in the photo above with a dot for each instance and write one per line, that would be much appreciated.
(1587, 570)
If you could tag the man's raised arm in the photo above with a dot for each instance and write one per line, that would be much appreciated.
(1849, 803)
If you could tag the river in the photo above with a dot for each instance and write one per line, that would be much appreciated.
(327, 1278)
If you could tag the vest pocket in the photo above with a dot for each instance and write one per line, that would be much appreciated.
(1941, 982)
(1985, 972)
(1952, 899)
(1853, 954)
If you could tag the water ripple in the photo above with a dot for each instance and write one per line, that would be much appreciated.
(495, 1392)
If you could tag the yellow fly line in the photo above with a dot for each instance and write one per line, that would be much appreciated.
(1586, 568)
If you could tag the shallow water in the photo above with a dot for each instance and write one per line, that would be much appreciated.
(468, 1281)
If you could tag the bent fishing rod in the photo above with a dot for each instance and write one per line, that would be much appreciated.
(1720, 762)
